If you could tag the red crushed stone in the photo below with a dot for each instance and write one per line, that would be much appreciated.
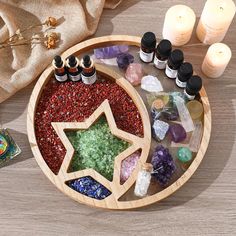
(75, 101)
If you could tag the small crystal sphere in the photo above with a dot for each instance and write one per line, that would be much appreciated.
(184, 154)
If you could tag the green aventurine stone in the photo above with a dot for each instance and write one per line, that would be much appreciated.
(96, 148)
(184, 154)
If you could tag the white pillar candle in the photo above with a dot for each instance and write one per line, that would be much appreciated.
(178, 24)
(215, 20)
(216, 60)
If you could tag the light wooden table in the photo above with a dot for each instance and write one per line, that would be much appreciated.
(206, 205)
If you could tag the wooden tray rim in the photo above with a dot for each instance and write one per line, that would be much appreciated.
(112, 203)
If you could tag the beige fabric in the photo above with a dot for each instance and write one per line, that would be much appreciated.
(21, 65)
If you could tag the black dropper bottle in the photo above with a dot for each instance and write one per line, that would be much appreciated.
(174, 62)
(184, 74)
(193, 86)
(163, 51)
(59, 69)
(88, 70)
(148, 45)
(74, 69)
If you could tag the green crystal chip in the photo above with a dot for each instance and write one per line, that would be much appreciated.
(96, 148)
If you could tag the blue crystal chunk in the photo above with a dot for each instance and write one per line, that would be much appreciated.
(89, 187)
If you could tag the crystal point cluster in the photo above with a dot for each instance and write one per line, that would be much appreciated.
(163, 165)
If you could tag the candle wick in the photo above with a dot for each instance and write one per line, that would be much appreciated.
(221, 8)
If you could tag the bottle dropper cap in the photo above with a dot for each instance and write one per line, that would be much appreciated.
(72, 62)
(149, 40)
(86, 61)
(176, 57)
(194, 84)
(164, 47)
(185, 72)
(58, 61)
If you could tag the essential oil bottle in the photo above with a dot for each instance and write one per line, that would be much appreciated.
(88, 74)
(162, 53)
(59, 69)
(148, 45)
(184, 74)
(73, 68)
(193, 86)
(174, 62)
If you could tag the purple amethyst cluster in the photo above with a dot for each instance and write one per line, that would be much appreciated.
(163, 165)
(110, 52)
(124, 59)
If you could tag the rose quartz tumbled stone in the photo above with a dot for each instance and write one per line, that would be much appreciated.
(134, 73)
(128, 165)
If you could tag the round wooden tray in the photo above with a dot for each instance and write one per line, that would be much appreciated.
(117, 190)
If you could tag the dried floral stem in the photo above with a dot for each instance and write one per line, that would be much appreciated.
(24, 30)
(13, 43)
(19, 44)
(49, 39)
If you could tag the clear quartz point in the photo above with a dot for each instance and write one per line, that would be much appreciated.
(196, 137)
(184, 114)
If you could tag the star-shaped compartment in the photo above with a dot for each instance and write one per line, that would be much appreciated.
(103, 109)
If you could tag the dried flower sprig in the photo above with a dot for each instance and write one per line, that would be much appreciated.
(50, 39)
(51, 21)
